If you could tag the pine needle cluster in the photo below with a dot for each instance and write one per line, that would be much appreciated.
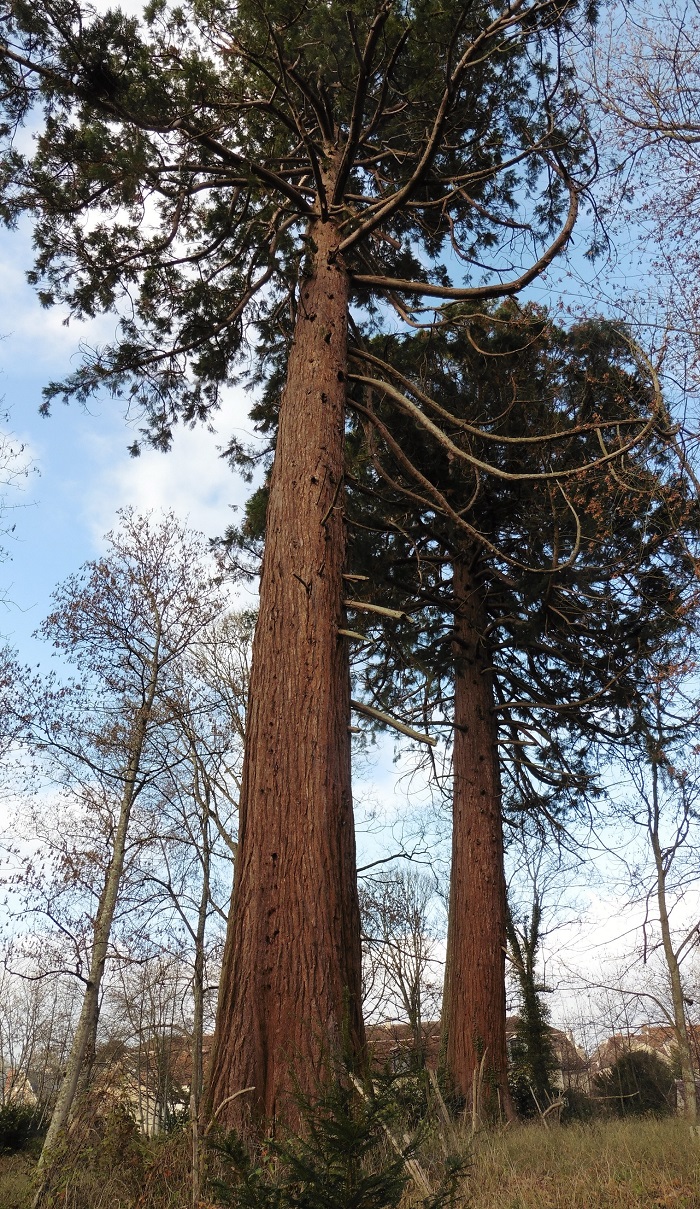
(344, 1154)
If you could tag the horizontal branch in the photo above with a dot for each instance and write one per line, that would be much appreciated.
(363, 606)
(379, 716)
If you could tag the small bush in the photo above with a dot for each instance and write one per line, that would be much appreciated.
(579, 1107)
(638, 1084)
(99, 1163)
(410, 1097)
(19, 1127)
(342, 1156)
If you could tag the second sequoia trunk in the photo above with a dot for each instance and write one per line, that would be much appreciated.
(291, 979)
(474, 1008)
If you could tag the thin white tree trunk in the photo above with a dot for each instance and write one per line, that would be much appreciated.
(677, 998)
(86, 1031)
(198, 996)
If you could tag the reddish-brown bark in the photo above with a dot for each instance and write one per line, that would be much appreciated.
(290, 990)
(474, 1008)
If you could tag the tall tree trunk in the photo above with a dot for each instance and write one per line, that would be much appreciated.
(290, 991)
(680, 1024)
(202, 799)
(474, 1007)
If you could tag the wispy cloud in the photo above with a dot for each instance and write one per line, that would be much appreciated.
(192, 479)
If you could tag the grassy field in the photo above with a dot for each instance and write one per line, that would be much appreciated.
(15, 1175)
(617, 1165)
(644, 1164)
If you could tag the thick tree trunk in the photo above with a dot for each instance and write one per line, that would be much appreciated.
(474, 1007)
(290, 985)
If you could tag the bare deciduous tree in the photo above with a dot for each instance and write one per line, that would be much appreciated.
(126, 621)
(403, 971)
(663, 768)
(645, 88)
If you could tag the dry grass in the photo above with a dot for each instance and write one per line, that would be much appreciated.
(645, 1164)
(114, 1169)
(613, 1165)
(15, 1181)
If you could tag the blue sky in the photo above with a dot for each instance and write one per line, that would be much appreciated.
(83, 472)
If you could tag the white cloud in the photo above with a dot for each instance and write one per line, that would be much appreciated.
(29, 330)
(192, 479)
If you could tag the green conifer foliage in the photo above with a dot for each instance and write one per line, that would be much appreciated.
(180, 157)
(342, 1157)
(583, 562)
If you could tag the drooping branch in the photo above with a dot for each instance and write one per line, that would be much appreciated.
(488, 468)
(482, 292)
(483, 434)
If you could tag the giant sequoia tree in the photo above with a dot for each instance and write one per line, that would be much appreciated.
(544, 533)
(218, 166)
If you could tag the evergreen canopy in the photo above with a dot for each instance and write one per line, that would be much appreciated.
(584, 562)
(178, 159)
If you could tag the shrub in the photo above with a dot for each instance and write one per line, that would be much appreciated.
(19, 1127)
(579, 1107)
(99, 1163)
(639, 1083)
(340, 1157)
(327, 1165)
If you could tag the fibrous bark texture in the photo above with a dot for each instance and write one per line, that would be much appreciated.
(474, 1005)
(290, 990)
